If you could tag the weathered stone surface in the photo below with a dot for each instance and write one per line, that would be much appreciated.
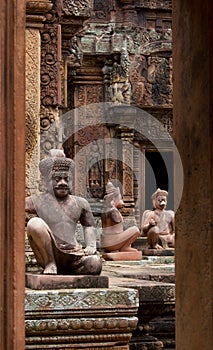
(149, 291)
(80, 318)
(158, 252)
(44, 282)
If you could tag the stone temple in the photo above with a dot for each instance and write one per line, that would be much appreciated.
(124, 88)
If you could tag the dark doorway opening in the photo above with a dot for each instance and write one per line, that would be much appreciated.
(159, 173)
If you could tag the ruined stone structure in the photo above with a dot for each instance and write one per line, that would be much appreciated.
(192, 37)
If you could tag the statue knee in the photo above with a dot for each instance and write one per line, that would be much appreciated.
(154, 230)
(35, 226)
(153, 236)
(93, 265)
(135, 231)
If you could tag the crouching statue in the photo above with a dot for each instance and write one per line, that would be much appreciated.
(158, 224)
(114, 238)
(52, 235)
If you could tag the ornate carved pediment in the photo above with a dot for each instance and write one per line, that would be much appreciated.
(76, 8)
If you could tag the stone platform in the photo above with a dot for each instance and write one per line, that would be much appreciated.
(141, 244)
(91, 319)
(44, 282)
(81, 318)
(154, 279)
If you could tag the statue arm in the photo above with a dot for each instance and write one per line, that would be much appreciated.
(116, 216)
(88, 224)
(147, 221)
(90, 240)
(173, 224)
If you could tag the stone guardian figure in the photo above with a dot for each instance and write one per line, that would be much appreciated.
(114, 238)
(158, 224)
(52, 234)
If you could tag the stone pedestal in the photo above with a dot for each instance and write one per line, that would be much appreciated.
(123, 256)
(99, 319)
(159, 252)
(44, 282)
(141, 244)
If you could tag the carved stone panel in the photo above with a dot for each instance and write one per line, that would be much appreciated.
(32, 108)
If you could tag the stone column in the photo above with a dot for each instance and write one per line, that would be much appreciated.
(35, 17)
(12, 186)
(193, 131)
(126, 136)
(123, 116)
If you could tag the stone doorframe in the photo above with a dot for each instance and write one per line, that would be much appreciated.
(193, 77)
(12, 175)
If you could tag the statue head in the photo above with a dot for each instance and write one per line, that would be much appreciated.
(57, 173)
(159, 199)
(113, 196)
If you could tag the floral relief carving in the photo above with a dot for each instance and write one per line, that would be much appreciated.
(50, 62)
(82, 298)
(77, 7)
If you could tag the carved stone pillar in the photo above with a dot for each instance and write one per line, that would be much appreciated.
(126, 136)
(35, 17)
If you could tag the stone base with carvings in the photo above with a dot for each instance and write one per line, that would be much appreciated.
(123, 256)
(154, 280)
(92, 319)
(43, 282)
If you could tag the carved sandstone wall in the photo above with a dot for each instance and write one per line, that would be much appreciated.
(93, 52)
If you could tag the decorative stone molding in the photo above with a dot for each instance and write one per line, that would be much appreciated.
(38, 6)
(96, 318)
(35, 12)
